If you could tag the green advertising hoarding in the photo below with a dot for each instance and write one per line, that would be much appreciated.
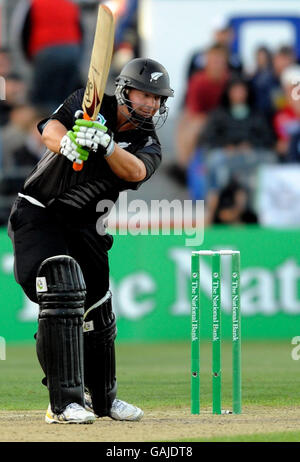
(150, 281)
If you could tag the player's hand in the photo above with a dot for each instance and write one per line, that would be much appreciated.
(70, 148)
(92, 134)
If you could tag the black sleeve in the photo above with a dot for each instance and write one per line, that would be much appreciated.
(65, 113)
(151, 161)
(150, 154)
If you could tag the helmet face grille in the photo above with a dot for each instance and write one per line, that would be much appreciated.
(147, 124)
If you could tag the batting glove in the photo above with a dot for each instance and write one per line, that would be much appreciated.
(93, 134)
(70, 148)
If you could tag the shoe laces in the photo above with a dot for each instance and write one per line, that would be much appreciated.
(74, 406)
(118, 404)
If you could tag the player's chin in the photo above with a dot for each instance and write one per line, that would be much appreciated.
(145, 114)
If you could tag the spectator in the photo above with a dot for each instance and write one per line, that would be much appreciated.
(21, 148)
(5, 62)
(223, 35)
(287, 120)
(204, 94)
(233, 206)
(127, 40)
(283, 58)
(266, 84)
(15, 94)
(237, 139)
(262, 80)
(51, 41)
(235, 122)
(14, 133)
(27, 155)
(127, 44)
(263, 59)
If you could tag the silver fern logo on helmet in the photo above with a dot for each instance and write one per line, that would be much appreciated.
(155, 76)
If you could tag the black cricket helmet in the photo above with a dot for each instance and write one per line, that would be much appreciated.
(149, 76)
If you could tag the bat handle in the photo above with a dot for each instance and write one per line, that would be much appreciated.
(77, 167)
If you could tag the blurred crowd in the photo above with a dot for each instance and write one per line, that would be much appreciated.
(232, 121)
(49, 38)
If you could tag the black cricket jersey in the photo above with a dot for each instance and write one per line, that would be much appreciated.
(54, 183)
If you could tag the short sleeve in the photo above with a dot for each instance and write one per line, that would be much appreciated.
(150, 155)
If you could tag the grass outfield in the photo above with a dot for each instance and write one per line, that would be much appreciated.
(157, 376)
(275, 437)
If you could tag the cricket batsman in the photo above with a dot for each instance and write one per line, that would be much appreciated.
(61, 261)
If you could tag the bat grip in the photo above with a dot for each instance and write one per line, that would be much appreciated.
(78, 167)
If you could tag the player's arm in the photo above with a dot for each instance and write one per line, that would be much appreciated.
(92, 135)
(56, 130)
(53, 134)
(58, 139)
(125, 165)
(55, 127)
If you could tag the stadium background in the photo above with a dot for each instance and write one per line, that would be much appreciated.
(151, 291)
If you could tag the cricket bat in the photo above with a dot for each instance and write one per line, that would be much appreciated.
(99, 66)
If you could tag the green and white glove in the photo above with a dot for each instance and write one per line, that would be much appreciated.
(92, 134)
(70, 148)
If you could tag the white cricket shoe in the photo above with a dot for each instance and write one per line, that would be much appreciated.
(73, 413)
(120, 410)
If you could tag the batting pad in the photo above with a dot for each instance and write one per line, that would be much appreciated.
(61, 295)
(99, 355)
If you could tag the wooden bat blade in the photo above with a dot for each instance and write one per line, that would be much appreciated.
(100, 62)
(99, 66)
